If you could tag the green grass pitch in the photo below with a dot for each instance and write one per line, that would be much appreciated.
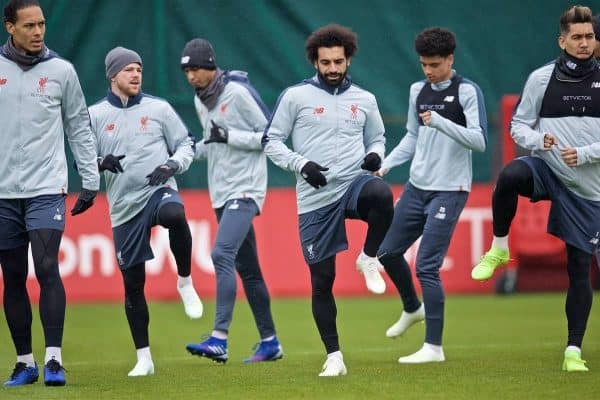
(496, 348)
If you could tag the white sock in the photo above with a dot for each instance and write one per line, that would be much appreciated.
(268, 338)
(27, 359)
(219, 335)
(500, 242)
(337, 354)
(184, 280)
(364, 255)
(53, 353)
(573, 348)
(433, 347)
(144, 352)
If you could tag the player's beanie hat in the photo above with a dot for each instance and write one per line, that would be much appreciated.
(118, 58)
(198, 53)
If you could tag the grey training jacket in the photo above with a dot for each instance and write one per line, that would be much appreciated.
(335, 128)
(236, 169)
(149, 133)
(38, 108)
(579, 132)
(441, 153)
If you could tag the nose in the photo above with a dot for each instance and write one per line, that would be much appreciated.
(586, 43)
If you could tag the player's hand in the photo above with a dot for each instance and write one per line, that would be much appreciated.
(549, 141)
(372, 162)
(162, 173)
(111, 163)
(218, 134)
(569, 156)
(84, 201)
(425, 117)
(381, 172)
(311, 172)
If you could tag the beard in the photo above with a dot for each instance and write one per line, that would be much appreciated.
(333, 79)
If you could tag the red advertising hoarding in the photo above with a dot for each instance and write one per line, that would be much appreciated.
(90, 271)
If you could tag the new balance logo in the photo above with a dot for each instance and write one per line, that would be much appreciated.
(449, 99)
(120, 258)
(595, 85)
(57, 216)
(166, 195)
(595, 239)
(234, 205)
(441, 214)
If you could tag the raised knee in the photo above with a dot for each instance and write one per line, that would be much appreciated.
(171, 215)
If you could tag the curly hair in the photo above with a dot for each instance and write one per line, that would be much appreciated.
(575, 15)
(331, 35)
(435, 42)
(13, 6)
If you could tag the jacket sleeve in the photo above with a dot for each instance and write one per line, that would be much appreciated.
(253, 118)
(588, 154)
(526, 115)
(201, 152)
(277, 132)
(474, 135)
(405, 150)
(374, 130)
(76, 123)
(178, 138)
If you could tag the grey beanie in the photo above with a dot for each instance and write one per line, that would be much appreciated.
(118, 58)
(198, 53)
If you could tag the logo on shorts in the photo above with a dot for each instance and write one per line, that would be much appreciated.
(57, 216)
(310, 251)
(234, 205)
(595, 239)
(120, 258)
(166, 195)
(441, 214)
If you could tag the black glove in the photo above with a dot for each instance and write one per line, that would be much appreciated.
(162, 173)
(84, 201)
(218, 134)
(372, 162)
(311, 172)
(111, 163)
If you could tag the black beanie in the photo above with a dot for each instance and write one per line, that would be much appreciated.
(198, 53)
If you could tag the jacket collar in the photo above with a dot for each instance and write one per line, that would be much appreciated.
(116, 100)
(339, 89)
